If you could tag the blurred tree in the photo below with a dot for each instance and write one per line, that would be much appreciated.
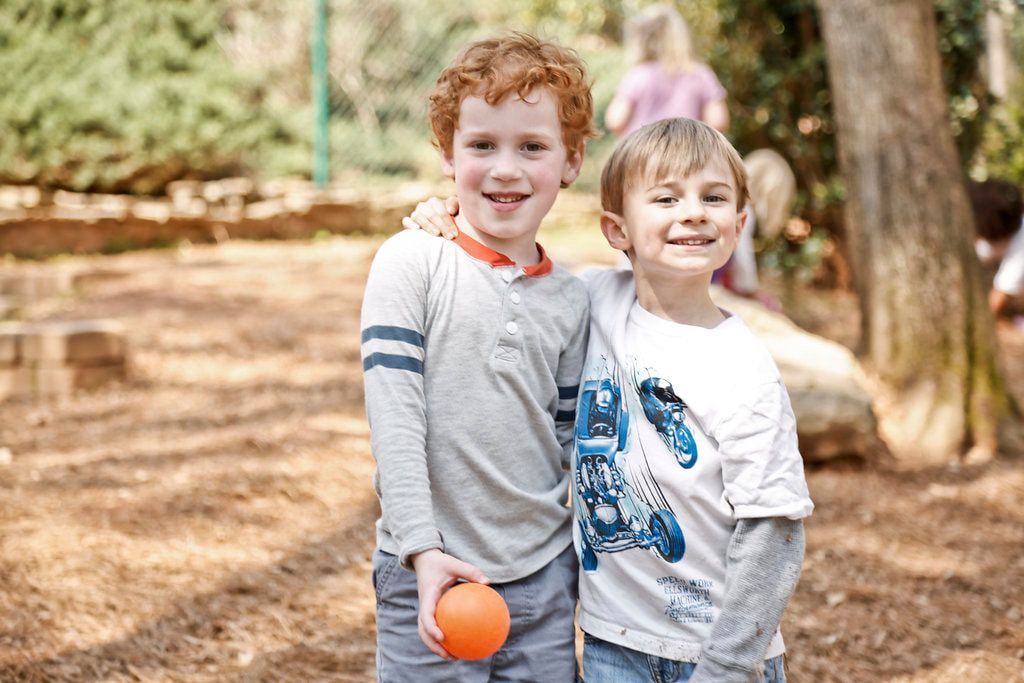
(122, 96)
(771, 60)
(926, 328)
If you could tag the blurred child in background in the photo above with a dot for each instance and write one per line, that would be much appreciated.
(997, 206)
(772, 193)
(667, 80)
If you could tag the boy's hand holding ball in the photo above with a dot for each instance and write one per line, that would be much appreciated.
(435, 573)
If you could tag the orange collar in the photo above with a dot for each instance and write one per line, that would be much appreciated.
(484, 253)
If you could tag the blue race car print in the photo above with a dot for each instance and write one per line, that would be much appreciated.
(611, 520)
(666, 411)
(602, 425)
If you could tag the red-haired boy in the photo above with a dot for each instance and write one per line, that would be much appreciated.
(472, 353)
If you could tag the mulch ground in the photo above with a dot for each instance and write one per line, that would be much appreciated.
(211, 519)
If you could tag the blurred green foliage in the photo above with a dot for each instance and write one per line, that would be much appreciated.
(961, 37)
(384, 59)
(1001, 150)
(117, 95)
(123, 96)
(771, 60)
(1002, 146)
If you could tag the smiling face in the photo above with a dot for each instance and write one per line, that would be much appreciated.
(678, 227)
(508, 161)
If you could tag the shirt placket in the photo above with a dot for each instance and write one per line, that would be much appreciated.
(510, 332)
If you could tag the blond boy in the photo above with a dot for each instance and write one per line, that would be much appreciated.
(688, 487)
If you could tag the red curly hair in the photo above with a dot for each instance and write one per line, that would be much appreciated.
(516, 63)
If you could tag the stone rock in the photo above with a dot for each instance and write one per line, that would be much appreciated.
(54, 359)
(338, 218)
(94, 342)
(52, 382)
(152, 210)
(10, 197)
(93, 377)
(213, 192)
(182, 192)
(265, 210)
(70, 200)
(11, 215)
(16, 382)
(237, 187)
(28, 285)
(82, 342)
(36, 224)
(280, 187)
(9, 343)
(31, 197)
(833, 408)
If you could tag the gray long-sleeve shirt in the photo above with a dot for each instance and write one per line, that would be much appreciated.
(765, 556)
(471, 370)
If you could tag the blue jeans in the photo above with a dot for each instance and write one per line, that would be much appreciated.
(604, 662)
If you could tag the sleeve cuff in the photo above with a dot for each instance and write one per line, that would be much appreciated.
(795, 510)
(427, 541)
(710, 671)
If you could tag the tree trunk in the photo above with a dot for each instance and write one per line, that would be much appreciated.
(926, 329)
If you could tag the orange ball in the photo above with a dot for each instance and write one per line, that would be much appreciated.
(474, 620)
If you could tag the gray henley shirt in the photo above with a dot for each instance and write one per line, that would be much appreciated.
(471, 368)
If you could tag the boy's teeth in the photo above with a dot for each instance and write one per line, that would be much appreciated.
(506, 199)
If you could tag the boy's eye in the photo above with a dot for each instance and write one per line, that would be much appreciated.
(534, 147)
(482, 145)
(714, 198)
(666, 199)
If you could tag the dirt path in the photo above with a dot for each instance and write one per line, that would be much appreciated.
(211, 520)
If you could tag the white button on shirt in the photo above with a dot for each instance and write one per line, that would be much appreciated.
(514, 296)
(511, 327)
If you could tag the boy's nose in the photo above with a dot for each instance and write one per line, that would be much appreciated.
(691, 209)
(505, 168)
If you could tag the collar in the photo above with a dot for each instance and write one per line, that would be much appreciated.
(496, 259)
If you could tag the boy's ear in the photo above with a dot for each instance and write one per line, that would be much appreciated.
(573, 164)
(613, 226)
(447, 165)
(741, 221)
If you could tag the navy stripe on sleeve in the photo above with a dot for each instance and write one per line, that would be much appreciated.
(402, 334)
(391, 360)
(568, 392)
(565, 416)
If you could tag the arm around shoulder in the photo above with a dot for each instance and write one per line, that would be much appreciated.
(570, 368)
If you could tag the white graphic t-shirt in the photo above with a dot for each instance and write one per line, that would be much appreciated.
(680, 431)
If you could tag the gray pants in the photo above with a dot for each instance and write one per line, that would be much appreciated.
(540, 646)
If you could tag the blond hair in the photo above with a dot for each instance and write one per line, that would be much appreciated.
(772, 190)
(517, 63)
(660, 34)
(666, 149)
